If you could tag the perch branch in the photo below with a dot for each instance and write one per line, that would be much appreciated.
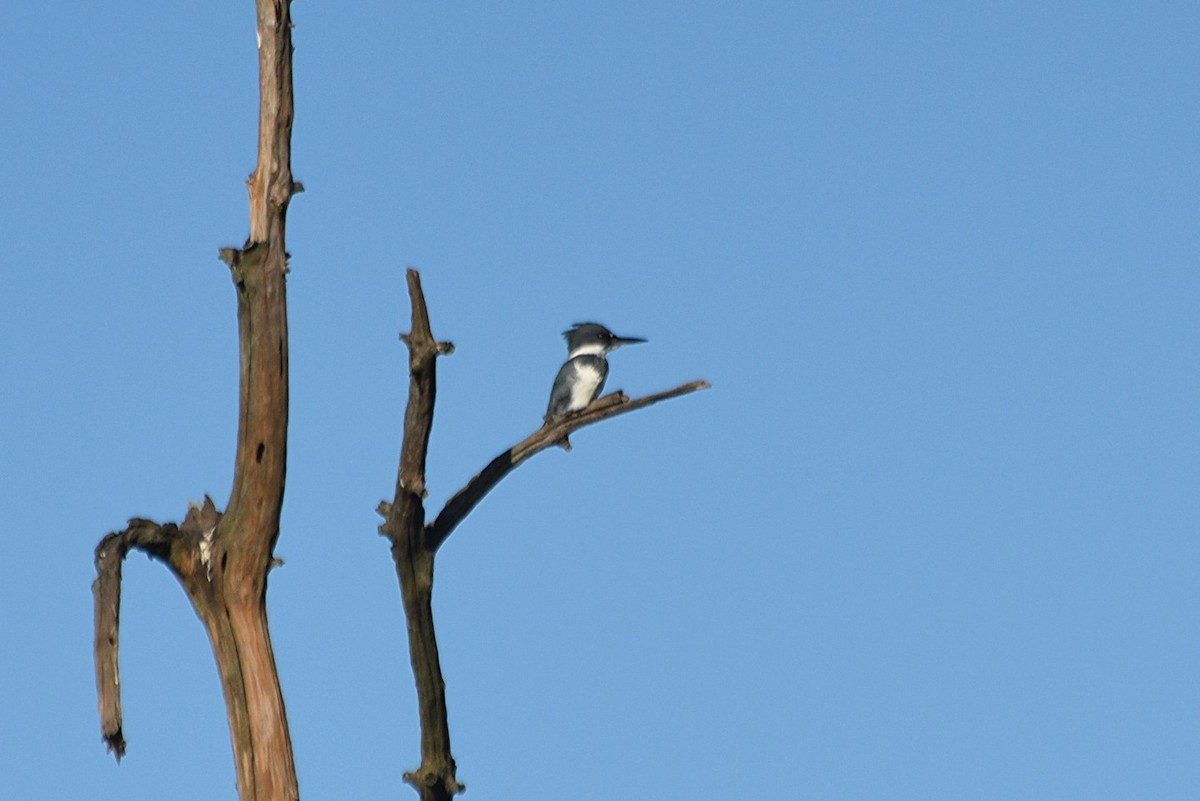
(552, 433)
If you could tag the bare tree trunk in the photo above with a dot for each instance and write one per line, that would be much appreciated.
(404, 525)
(415, 543)
(222, 560)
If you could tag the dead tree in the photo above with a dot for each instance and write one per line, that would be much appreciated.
(414, 542)
(222, 559)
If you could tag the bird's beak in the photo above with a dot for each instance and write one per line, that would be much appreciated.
(619, 341)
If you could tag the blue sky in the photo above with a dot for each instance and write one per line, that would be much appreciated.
(932, 534)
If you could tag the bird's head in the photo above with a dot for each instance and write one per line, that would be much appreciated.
(594, 338)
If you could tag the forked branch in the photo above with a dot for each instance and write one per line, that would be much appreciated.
(404, 525)
(415, 544)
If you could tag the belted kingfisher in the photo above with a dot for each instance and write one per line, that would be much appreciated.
(581, 377)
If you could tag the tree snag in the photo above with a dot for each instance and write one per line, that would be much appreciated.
(414, 543)
(222, 559)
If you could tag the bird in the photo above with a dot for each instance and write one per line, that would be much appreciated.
(581, 378)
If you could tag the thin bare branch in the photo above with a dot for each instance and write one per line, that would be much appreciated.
(423, 351)
(186, 550)
(270, 185)
(552, 433)
(156, 541)
(435, 779)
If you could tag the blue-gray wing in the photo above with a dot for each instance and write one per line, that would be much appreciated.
(577, 384)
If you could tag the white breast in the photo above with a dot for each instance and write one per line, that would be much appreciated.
(584, 387)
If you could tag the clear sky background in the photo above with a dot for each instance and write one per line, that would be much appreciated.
(932, 534)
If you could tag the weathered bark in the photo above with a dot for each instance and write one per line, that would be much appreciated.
(222, 560)
(404, 525)
(415, 543)
(156, 541)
